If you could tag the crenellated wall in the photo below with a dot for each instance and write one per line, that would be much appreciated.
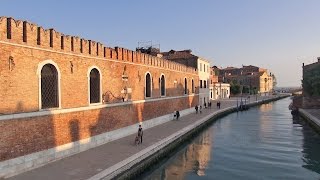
(26, 33)
(28, 128)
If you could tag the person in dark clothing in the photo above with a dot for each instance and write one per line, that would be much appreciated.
(140, 133)
(205, 105)
(200, 109)
(219, 104)
(178, 114)
(196, 107)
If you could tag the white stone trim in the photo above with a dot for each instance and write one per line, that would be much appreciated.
(90, 57)
(88, 76)
(24, 163)
(40, 66)
(86, 108)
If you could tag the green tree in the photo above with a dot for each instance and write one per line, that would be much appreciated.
(234, 88)
(311, 82)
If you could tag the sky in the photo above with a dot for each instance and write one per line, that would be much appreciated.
(278, 35)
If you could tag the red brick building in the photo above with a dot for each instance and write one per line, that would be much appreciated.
(62, 94)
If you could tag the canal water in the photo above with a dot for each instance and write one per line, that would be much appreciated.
(266, 142)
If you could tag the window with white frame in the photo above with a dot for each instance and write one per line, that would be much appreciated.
(49, 87)
(94, 86)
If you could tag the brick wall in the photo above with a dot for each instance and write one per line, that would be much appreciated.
(19, 91)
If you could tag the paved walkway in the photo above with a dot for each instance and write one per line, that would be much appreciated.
(315, 115)
(89, 163)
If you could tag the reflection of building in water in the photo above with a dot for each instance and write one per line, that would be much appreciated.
(195, 157)
(266, 125)
(203, 152)
(266, 107)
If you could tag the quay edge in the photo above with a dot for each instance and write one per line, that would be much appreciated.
(312, 120)
(136, 164)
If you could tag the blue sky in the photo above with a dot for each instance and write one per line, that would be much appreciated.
(276, 34)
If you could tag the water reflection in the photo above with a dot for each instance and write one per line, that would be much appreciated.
(311, 145)
(193, 158)
(265, 142)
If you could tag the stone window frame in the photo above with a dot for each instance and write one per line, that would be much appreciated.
(39, 69)
(88, 81)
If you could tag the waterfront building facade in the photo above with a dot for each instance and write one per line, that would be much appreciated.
(62, 94)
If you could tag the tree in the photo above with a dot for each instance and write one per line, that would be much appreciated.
(234, 88)
(311, 81)
(274, 79)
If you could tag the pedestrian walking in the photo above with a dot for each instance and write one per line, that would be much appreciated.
(205, 105)
(140, 133)
(177, 114)
(200, 109)
(219, 104)
(196, 107)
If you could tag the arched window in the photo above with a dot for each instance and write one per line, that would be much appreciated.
(192, 83)
(94, 83)
(49, 87)
(148, 85)
(163, 86)
(185, 86)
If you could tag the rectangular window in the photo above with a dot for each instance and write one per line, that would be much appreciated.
(9, 28)
(104, 51)
(97, 49)
(200, 83)
(81, 50)
(72, 48)
(89, 46)
(24, 33)
(51, 37)
(38, 36)
(62, 42)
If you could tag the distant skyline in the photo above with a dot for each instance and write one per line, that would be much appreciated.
(278, 35)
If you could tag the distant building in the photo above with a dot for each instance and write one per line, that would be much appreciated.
(251, 79)
(185, 57)
(218, 90)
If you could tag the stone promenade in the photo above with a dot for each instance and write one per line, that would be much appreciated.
(87, 164)
(312, 114)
